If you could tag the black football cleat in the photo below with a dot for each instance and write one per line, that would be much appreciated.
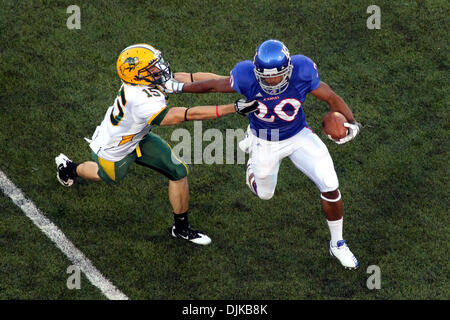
(194, 236)
(62, 173)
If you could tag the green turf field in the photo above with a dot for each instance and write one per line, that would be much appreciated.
(57, 83)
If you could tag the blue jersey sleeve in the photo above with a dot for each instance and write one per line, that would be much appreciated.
(306, 70)
(315, 82)
(242, 77)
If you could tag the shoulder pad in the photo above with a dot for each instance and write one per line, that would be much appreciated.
(243, 76)
(304, 68)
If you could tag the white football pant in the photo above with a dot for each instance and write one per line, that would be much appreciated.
(306, 150)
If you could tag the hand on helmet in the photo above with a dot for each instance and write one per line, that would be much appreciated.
(244, 107)
(173, 86)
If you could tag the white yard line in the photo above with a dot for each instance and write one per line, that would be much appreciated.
(61, 241)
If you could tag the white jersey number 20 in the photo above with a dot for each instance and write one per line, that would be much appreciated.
(263, 110)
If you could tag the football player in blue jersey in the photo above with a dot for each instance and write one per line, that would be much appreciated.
(278, 129)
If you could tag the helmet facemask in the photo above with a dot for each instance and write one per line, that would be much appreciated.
(158, 77)
(263, 74)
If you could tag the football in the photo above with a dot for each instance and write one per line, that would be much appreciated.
(333, 125)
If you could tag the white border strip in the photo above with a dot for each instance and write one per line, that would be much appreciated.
(61, 241)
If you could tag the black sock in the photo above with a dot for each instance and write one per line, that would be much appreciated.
(181, 220)
(72, 169)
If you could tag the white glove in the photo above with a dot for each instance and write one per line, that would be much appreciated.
(244, 107)
(353, 130)
(173, 86)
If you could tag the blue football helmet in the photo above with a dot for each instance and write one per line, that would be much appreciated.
(271, 60)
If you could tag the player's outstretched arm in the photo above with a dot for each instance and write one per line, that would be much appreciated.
(217, 84)
(178, 114)
(186, 77)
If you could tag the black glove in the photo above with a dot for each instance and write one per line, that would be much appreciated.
(244, 107)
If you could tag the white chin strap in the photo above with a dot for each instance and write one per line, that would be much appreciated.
(331, 200)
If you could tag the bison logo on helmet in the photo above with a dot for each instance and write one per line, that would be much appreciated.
(132, 63)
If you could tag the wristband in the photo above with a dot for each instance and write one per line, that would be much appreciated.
(192, 78)
(185, 115)
(217, 111)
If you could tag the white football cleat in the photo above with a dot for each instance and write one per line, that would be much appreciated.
(344, 255)
(62, 170)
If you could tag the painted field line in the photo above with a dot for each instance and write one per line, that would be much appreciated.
(61, 241)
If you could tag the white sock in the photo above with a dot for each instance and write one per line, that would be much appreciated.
(335, 230)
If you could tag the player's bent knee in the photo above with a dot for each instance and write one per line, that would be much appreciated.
(331, 181)
(265, 195)
(325, 177)
(264, 176)
(179, 181)
(180, 172)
